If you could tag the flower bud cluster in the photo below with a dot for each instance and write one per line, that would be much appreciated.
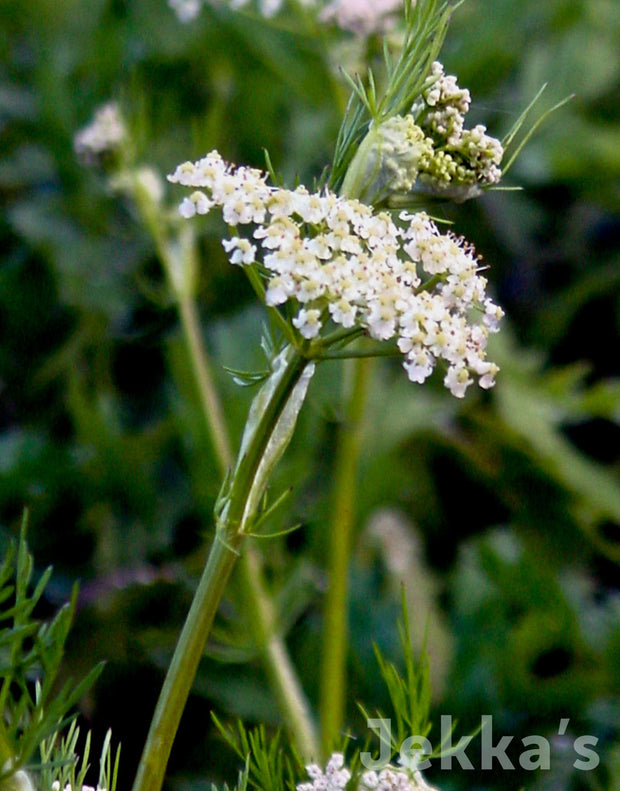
(427, 150)
(391, 158)
(444, 106)
(463, 157)
(335, 258)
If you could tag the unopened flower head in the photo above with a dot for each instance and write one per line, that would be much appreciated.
(390, 159)
(105, 133)
(336, 259)
(334, 778)
(444, 106)
(464, 157)
(427, 150)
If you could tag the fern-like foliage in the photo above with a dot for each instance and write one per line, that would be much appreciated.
(34, 704)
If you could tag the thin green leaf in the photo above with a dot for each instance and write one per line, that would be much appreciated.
(532, 129)
(246, 378)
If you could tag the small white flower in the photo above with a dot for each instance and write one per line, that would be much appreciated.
(382, 317)
(419, 365)
(308, 322)
(242, 251)
(197, 203)
(457, 380)
(310, 207)
(186, 10)
(392, 779)
(492, 315)
(280, 289)
(343, 313)
(106, 132)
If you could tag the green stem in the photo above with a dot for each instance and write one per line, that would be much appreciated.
(283, 679)
(281, 673)
(264, 441)
(180, 265)
(209, 400)
(335, 627)
(184, 664)
(250, 473)
(278, 319)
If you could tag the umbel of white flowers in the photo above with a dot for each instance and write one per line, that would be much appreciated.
(362, 17)
(336, 776)
(336, 259)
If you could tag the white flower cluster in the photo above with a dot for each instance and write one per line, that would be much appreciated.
(391, 779)
(105, 133)
(446, 106)
(335, 778)
(339, 260)
(463, 156)
(362, 17)
(188, 10)
(69, 787)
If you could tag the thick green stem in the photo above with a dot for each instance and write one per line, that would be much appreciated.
(180, 263)
(335, 626)
(283, 678)
(266, 436)
(185, 661)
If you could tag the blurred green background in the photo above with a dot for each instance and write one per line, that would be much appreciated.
(501, 513)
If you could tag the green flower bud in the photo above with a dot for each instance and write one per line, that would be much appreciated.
(388, 160)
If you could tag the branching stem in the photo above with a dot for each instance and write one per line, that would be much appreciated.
(342, 522)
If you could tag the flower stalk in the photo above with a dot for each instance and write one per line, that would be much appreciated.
(342, 523)
(271, 422)
(261, 615)
(180, 264)
(185, 661)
